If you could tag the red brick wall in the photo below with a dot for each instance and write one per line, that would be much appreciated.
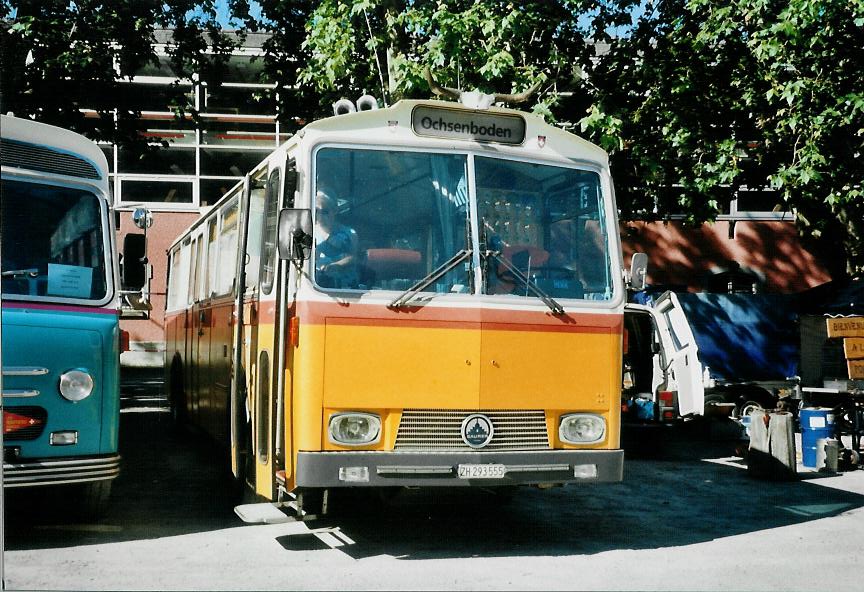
(679, 255)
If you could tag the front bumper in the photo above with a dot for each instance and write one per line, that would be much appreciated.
(431, 469)
(27, 473)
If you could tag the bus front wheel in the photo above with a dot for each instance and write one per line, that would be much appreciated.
(91, 499)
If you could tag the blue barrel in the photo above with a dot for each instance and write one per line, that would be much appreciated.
(816, 423)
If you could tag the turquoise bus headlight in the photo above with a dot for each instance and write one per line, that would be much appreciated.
(582, 428)
(76, 385)
(354, 429)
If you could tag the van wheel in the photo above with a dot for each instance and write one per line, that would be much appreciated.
(746, 408)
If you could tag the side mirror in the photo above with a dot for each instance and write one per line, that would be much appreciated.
(142, 218)
(134, 275)
(294, 234)
(638, 271)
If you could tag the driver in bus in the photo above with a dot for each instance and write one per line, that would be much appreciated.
(336, 246)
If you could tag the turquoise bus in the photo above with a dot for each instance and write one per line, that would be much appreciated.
(60, 314)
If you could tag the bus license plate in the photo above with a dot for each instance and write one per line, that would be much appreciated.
(481, 471)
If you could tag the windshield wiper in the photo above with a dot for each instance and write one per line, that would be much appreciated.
(486, 253)
(406, 296)
(553, 305)
(32, 273)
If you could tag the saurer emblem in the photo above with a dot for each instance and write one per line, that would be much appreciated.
(477, 430)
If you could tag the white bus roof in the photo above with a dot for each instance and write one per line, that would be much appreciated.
(56, 138)
(548, 139)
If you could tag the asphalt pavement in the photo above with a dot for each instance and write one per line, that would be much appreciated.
(686, 517)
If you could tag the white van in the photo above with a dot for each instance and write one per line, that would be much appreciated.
(663, 377)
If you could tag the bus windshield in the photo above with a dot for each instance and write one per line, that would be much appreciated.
(53, 242)
(548, 223)
(386, 219)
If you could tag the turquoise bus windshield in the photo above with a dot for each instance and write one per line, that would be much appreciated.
(388, 219)
(53, 243)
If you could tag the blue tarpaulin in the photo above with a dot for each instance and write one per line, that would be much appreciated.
(745, 337)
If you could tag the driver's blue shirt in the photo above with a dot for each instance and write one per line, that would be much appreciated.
(336, 247)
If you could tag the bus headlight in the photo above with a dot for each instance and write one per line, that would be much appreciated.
(354, 429)
(76, 385)
(581, 428)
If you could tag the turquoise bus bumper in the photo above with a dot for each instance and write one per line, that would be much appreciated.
(32, 473)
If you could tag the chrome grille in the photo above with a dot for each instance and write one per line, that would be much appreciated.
(39, 158)
(436, 429)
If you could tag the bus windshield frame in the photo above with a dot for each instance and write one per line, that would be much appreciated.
(56, 243)
(388, 218)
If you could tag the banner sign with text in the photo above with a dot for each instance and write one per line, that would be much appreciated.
(478, 126)
(846, 327)
(853, 347)
(856, 369)
(852, 330)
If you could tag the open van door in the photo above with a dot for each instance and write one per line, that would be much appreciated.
(682, 357)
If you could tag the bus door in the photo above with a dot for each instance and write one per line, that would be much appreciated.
(193, 327)
(203, 324)
(222, 325)
(267, 392)
(242, 371)
(183, 270)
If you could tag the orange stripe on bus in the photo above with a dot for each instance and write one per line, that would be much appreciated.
(320, 313)
(378, 315)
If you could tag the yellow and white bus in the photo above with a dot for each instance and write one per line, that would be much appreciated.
(421, 295)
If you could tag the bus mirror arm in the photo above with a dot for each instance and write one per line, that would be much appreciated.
(294, 233)
(302, 243)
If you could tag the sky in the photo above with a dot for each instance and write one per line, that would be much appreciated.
(222, 12)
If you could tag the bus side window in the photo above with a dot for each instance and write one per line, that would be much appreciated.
(271, 217)
(254, 246)
(194, 282)
(201, 272)
(178, 271)
(228, 236)
(209, 264)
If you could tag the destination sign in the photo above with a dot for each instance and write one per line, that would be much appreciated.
(846, 327)
(856, 369)
(853, 347)
(478, 126)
